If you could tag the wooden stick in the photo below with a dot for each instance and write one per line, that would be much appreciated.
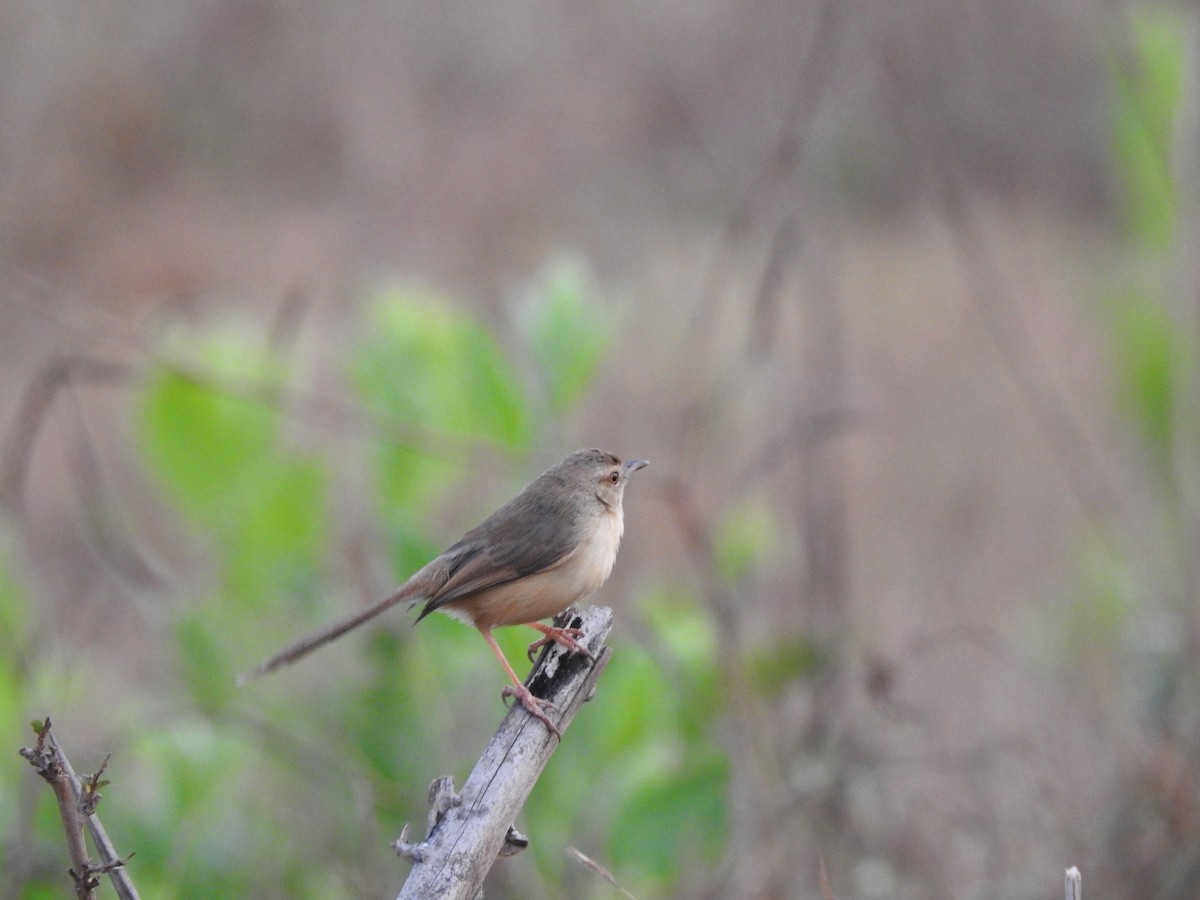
(1074, 884)
(112, 863)
(77, 807)
(468, 835)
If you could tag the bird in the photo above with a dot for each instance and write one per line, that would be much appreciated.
(549, 547)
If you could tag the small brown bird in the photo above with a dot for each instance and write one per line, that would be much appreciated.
(550, 546)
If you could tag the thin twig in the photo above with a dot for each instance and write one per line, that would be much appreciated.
(995, 301)
(112, 863)
(77, 803)
(34, 410)
(48, 760)
(599, 870)
(823, 507)
(788, 148)
(765, 315)
(108, 527)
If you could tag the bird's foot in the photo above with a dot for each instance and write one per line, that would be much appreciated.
(553, 635)
(535, 706)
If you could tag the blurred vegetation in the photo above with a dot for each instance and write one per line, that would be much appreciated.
(1147, 91)
(1152, 338)
(295, 788)
(1154, 351)
(1139, 592)
(899, 734)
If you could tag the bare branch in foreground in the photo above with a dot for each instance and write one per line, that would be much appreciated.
(469, 831)
(47, 761)
(77, 803)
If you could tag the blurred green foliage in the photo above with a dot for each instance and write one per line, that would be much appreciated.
(14, 686)
(1153, 355)
(1153, 360)
(1147, 89)
(744, 537)
(437, 372)
(1136, 598)
(294, 786)
(566, 335)
(14, 641)
(215, 448)
(1098, 617)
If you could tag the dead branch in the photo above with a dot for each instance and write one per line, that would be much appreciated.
(77, 803)
(468, 831)
(1073, 884)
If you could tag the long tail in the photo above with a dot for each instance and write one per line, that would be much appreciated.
(311, 642)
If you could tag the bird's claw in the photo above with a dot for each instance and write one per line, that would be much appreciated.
(565, 636)
(535, 706)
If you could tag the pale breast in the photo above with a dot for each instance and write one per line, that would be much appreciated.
(552, 590)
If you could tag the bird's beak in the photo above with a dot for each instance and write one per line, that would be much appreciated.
(634, 464)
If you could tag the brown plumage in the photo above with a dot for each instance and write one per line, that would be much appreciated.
(549, 547)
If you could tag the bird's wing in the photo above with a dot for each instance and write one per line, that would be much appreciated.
(471, 565)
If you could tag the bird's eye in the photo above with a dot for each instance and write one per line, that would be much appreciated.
(614, 477)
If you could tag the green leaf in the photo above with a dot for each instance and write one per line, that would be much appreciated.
(436, 370)
(434, 367)
(213, 442)
(204, 656)
(566, 330)
(681, 624)
(745, 535)
(1152, 358)
(685, 631)
(13, 617)
(783, 662)
(1103, 602)
(1147, 94)
(205, 440)
(14, 655)
(674, 818)
(276, 541)
(636, 705)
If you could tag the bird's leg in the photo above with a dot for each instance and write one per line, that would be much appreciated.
(535, 706)
(555, 635)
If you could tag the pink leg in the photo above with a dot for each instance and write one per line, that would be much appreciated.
(536, 706)
(564, 636)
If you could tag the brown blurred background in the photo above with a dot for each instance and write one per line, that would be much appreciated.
(857, 255)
